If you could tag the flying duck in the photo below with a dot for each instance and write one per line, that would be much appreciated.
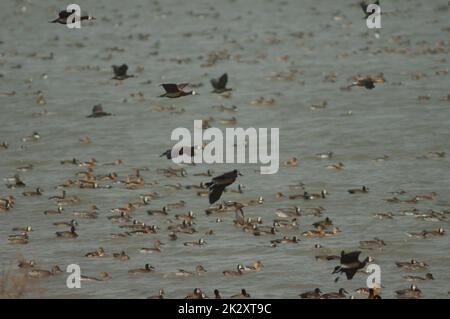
(175, 90)
(220, 84)
(218, 184)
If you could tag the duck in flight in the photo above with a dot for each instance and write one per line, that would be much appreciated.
(350, 264)
(218, 184)
(175, 90)
(120, 72)
(220, 84)
(64, 15)
(188, 150)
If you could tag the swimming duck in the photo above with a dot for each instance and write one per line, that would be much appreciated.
(64, 15)
(160, 295)
(327, 257)
(68, 200)
(189, 217)
(163, 211)
(200, 242)
(312, 233)
(411, 293)
(286, 240)
(218, 184)
(54, 212)
(121, 256)
(387, 215)
(155, 249)
(100, 252)
(120, 72)
(372, 244)
(41, 273)
(67, 234)
(97, 111)
(413, 264)
(16, 182)
(35, 137)
(4, 146)
(220, 84)
(428, 276)
(256, 266)
(127, 209)
(175, 90)
(364, 189)
(326, 155)
(288, 212)
(350, 264)
(428, 233)
(243, 295)
(291, 162)
(70, 223)
(26, 264)
(197, 294)
(38, 192)
(314, 294)
(338, 166)
(323, 223)
(238, 272)
(23, 229)
(335, 295)
(147, 269)
(429, 196)
(103, 276)
(199, 270)
(217, 294)
(21, 239)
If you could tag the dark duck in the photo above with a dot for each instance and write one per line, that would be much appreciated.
(64, 15)
(220, 84)
(174, 91)
(218, 184)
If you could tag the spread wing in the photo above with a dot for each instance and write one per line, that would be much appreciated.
(97, 109)
(170, 87)
(223, 81)
(215, 191)
(181, 86)
(363, 5)
(215, 83)
(350, 258)
(225, 179)
(64, 14)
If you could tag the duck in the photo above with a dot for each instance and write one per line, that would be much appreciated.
(288, 212)
(38, 192)
(243, 295)
(121, 256)
(22, 240)
(327, 257)
(326, 155)
(350, 264)
(314, 294)
(200, 242)
(120, 72)
(387, 215)
(217, 294)
(428, 276)
(286, 240)
(35, 137)
(218, 184)
(127, 209)
(410, 293)
(364, 189)
(413, 264)
(163, 211)
(189, 217)
(199, 270)
(122, 218)
(67, 234)
(4, 146)
(229, 121)
(100, 252)
(197, 294)
(54, 212)
(256, 266)
(338, 166)
(155, 249)
(335, 295)
(291, 162)
(176, 90)
(97, 111)
(429, 196)
(64, 15)
(70, 223)
(24, 264)
(147, 269)
(41, 273)
(263, 230)
(323, 223)
(372, 244)
(238, 272)
(103, 276)
(220, 84)
(23, 229)
(160, 295)
(293, 225)
(428, 233)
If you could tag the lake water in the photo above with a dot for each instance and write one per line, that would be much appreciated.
(172, 41)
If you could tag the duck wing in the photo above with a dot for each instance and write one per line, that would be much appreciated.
(223, 81)
(215, 191)
(170, 87)
(350, 258)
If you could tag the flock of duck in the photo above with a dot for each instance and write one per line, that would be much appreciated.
(283, 229)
